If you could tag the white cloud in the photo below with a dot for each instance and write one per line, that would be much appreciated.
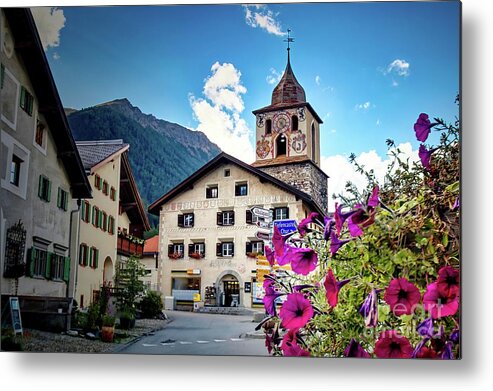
(274, 76)
(56, 56)
(260, 16)
(363, 106)
(340, 170)
(219, 112)
(394, 83)
(317, 80)
(49, 22)
(398, 67)
(378, 122)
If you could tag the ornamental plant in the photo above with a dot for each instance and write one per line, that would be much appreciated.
(379, 277)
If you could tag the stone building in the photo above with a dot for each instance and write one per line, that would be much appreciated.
(208, 236)
(42, 180)
(112, 223)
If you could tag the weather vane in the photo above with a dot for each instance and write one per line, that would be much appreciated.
(289, 39)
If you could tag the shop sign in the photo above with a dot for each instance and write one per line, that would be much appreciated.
(193, 272)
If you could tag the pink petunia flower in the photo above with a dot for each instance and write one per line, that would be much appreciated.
(303, 260)
(290, 345)
(448, 281)
(303, 224)
(332, 288)
(269, 254)
(391, 344)
(439, 305)
(270, 297)
(278, 241)
(402, 296)
(336, 243)
(296, 311)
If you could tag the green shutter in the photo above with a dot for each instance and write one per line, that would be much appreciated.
(96, 258)
(40, 186)
(65, 201)
(49, 258)
(100, 219)
(83, 210)
(32, 258)
(66, 269)
(59, 198)
(23, 94)
(2, 75)
(48, 195)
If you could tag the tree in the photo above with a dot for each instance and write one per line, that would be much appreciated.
(129, 284)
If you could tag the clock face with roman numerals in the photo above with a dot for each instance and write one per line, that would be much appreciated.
(281, 122)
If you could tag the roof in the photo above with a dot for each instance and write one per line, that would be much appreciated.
(29, 48)
(288, 90)
(93, 153)
(151, 245)
(224, 158)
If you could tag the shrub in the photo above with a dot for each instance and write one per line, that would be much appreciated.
(151, 305)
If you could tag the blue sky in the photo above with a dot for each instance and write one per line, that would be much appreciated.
(368, 69)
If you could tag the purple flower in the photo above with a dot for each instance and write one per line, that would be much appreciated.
(269, 254)
(447, 353)
(296, 311)
(303, 225)
(271, 294)
(278, 241)
(422, 127)
(455, 336)
(303, 260)
(332, 287)
(290, 345)
(354, 349)
(336, 243)
(425, 328)
(373, 201)
(419, 346)
(328, 226)
(369, 309)
(362, 218)
(340, 217)
(456, 204)
(425, 156)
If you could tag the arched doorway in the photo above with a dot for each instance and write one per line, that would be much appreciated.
(229, 291)
(281, 145)
(108, 272)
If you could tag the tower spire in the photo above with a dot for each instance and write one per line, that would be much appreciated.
(289, 40)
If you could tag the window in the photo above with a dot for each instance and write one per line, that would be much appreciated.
(113, 193)
(57, 267)
(111, 225)
(94, 257)
(241, 189)
(85, 211)
(104, 221)
(10, 96)
(227, 172)
(268, 126)
(281, 145)
(95, 216)
(44, 188)
(175, 250)
(97, 182)
(281, 213)
(294, 122)
(38, 138)
(226, 218)
(39, 263)
(225, 249)
(196, 250)
(314, 144)
(2, 75)
(62, 199)
(211, 191)
(258, 247)
(83, 254)
(105, 188)
(26, 101)
(15, 170)
(186, 220)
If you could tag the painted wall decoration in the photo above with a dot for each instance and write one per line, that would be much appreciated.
(263, 148)
(299, 142)
(301, 114)
(281, 122)
(260, 120)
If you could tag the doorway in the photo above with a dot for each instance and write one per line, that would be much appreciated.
(281, 145)
(231, 293)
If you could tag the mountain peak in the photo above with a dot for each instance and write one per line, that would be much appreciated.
(122, 101)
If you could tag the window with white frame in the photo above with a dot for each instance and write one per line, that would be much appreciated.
(57, 266)
(228, 218)
(14, 165)
(281, 213)
(10, 97)
(258, 247)
(227, 249)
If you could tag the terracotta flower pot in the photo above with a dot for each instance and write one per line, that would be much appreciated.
(107, 333)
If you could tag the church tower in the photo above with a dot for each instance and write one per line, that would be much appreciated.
(288, 139)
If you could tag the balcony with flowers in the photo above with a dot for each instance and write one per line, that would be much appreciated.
(129, 245)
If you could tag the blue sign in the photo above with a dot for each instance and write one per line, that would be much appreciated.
(285, 226)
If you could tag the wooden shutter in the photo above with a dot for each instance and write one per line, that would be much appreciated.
(219, 249)
(40, 187)
(66, 269)
(86, 255)
(48, 194)
(219, 218)
(190, 249)
(249, 216)
(65, 200)
(180, 220)
(170, 249)
(208, 192)
(248, 247)
(31, 258)
(232, 217)
(96, 258)
(203, 253)
(237, 190)
(287, 212)
(49, 258)
(23, 97)
(83, 211)
(59, 198)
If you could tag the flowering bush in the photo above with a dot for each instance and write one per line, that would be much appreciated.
(380, 277)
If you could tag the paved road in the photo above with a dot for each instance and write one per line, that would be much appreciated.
(190, 333)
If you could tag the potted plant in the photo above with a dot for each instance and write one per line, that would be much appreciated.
(108, 329)
(196, 255)
(127, 319)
